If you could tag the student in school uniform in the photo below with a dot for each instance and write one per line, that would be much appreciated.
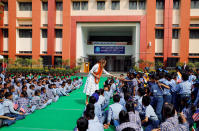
(60, 90)
(51, 94)
(93, 125)
(125, 122)
(184, 88)
(107, 95)
(24, 102)
(15, 96)
(113, 112)
(98, 110)
(101, 100)
(151, 118)
(4, 120)
(44, 97)
(133, 114)
(166, 89)
(31, 91)
(9, 107)
(156, 91)
(82, 124)
(171, 122)
(80, 81)
(36, 100)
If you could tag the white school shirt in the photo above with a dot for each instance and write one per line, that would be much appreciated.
(1, 109)
(9, 107)
(150, 113)
(94, 125)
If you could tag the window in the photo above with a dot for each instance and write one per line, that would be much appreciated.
(176, 4)
(159, 4)
(142, 4)
(25, 33)
(25, 6)
(159, 33)
(175, 25)
(194, 34)
(100, 5)
(194, 25)
(45, 6)
(159, 25)
(115, 5)
(194, 4)
(44, 33)
(5, 6)
(76, 5)
(133, 4)
(58, 33)
(59, 6)
(5, 33)
(175, 34)
(84, 5)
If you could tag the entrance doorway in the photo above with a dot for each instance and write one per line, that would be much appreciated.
(114, 63)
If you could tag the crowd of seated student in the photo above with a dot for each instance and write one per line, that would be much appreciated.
(152, 101)
(21, 95)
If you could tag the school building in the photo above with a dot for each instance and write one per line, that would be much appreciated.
(122, 31)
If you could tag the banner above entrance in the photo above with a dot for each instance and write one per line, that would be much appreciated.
(109, 49)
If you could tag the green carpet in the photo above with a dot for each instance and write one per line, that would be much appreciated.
(59, 116)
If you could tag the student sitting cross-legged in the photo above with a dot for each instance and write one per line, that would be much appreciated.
(9, 107)
(4, 120)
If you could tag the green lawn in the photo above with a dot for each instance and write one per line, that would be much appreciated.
(59, 116)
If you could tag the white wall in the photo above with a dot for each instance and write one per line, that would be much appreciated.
(193, 46)
(159, 16)
(59, 17)
(175, 46)
(5, 44)
(176, 16)
(159, 45)
(5, 17)
(23, 23)
(23, 44)
(58, 45)
(194, 12)
(43, 45)
(92, 9)
(44, 17)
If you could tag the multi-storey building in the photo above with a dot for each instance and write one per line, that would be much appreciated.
(122, 31)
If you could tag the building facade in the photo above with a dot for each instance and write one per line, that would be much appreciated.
(122, 31)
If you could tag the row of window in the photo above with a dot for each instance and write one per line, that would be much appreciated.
(83, 5)
(27, 33)
(194, 34)
(159, 34)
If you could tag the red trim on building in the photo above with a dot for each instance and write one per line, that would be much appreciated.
(12, 28)
(51, 28)
(168, 14)
(184, 32)
(66, 40)
(150, 30)
(36, 22)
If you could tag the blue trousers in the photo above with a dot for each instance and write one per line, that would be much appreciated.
(16, 116)
(152, 124)
(7, 122)
(157, 104)
(167, 98)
